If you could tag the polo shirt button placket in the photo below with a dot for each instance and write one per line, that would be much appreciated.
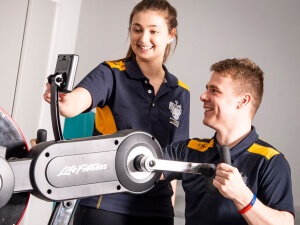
(149, 91)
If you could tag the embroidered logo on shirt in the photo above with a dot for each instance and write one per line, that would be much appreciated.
(175, 110)
(245, 178)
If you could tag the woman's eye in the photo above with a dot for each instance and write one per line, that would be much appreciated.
(136, 29)
(154, 32)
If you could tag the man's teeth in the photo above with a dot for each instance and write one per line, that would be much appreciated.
(143, 47)
(208, 109)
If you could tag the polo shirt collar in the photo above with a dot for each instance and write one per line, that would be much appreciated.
(134, 71)
(242, 146)
(171, 79)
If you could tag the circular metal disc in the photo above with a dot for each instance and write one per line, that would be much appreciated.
(13, 140)
(134, 145)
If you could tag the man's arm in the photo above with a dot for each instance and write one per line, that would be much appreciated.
(262, 214)
(229, 182)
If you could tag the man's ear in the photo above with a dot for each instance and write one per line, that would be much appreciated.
(244, 100)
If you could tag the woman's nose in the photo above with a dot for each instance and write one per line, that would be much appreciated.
(145, 37)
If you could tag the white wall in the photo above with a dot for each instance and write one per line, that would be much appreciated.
(48, 28)
(12, 22)
(267, 32)
(51, 29)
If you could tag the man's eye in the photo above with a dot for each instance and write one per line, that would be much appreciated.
(214, 90)
(154, 32)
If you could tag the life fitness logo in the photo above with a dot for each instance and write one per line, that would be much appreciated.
(69, 170)
(176, 111)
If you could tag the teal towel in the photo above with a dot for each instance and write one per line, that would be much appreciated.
(79, 126)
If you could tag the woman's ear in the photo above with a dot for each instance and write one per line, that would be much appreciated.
(172, 35)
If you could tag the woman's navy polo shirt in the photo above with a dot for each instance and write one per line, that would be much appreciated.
(264, 170)
(124, 99)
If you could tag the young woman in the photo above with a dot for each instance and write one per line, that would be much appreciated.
(139, 93)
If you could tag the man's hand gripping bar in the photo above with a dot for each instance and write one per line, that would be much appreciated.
(148, 163)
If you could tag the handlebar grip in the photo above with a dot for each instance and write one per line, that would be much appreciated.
(41, 136)
(225, 154)
(224, 158)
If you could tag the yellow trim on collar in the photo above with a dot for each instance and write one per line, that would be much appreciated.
(200, 145)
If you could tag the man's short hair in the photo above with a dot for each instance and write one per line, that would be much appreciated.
(247, 77)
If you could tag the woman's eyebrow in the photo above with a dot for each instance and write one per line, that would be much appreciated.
(137, 24)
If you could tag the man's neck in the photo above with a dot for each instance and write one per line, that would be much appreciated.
(232, 137)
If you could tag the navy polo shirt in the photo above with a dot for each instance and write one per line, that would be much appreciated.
(124, 99)
(264, 170)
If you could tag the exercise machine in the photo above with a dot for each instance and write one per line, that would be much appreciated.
(63, 171)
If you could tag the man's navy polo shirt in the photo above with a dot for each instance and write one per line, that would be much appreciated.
(264, 170)
(124, 99)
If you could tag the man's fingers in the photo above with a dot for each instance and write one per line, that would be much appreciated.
(225, 167)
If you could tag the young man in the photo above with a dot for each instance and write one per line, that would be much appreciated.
(257, 188)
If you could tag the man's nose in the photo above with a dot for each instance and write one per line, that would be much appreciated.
(203, 97)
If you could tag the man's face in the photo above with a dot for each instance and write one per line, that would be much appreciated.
(220, 102)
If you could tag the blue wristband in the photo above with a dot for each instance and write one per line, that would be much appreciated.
(253, 200)
(248, 207)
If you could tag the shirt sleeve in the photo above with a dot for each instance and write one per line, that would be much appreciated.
(99, 83)
(175, 152)
(275, 188)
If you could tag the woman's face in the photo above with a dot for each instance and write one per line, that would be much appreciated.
(149, 35)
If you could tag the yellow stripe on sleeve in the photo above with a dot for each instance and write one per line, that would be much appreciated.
(120, 65)
(183, 85)
(104, 121)
(261, 150)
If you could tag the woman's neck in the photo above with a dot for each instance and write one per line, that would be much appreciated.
(151, 69)
(154, 71)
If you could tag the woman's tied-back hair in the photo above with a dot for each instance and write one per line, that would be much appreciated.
(246, 75)
(166, 9)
